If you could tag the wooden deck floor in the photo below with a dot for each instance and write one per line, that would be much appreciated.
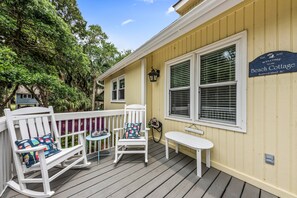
(160, 178)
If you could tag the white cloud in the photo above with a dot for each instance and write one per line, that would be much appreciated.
(149, 1)
(127, 21)
(170, 10)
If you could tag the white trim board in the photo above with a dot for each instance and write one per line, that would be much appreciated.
(196, 17)
(143, 81)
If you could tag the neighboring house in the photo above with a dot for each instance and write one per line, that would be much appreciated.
(204, 61)
(25, 98)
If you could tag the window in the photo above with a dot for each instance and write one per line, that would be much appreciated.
(208, 86)
(179, 91)
(114, 90)
(122, 89)
(217, 87)
(118, 89)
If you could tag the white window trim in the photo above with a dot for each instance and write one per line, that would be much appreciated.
(117, 79)
(240, 40)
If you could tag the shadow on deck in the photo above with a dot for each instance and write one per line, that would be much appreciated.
(175, 177)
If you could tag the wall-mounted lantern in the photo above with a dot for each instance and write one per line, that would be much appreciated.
(154, 74)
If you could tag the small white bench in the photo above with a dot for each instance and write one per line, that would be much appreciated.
(193, 142)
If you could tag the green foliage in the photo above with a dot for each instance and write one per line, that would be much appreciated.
(39, 51)
(102, 55)
(9, 69)
(45, 45)
(69, 12)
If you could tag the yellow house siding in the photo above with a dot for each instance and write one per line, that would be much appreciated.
(271, 25)
(132, 87)
(271, 100)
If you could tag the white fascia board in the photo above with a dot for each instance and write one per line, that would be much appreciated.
(196, 17)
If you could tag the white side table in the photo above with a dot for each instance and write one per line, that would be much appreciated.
(193, 142)
(99, 138)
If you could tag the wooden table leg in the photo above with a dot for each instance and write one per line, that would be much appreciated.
(198, 156)
(176, 147)
(166, 148)
(208, 158)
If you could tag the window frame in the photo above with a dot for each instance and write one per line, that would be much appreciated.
(188, 57)
(240, 40)
(117, 80)
(181, 88)
(198, 83)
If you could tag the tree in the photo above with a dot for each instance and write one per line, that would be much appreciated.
(45, 45)
(102, 55)
(69, 12)
(40, 51)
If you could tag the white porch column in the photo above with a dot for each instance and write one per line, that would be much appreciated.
(143, 81)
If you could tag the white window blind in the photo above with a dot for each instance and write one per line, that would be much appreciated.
(179, 91)
(217, 89)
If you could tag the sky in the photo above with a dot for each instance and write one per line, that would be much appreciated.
(129, 23)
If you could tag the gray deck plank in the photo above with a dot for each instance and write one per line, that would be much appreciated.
(84, 178)
(170, 184)
(203, 184)
(186, 184)
(175, 177)
(250, 191)
(157, 181)
(265, 194)
(105, 167)
(79, 174)
(86, 182)
(106, 161)
(103, 185)
(131, 187)
(218, 187)
(69, 173)
(234, 188)
(119, 184)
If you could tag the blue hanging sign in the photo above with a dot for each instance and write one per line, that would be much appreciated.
(276, 62)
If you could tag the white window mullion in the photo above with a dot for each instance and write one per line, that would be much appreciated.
(239, 90)
(197, 91)
(192, 88)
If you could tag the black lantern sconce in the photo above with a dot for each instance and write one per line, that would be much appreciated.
(154, 74)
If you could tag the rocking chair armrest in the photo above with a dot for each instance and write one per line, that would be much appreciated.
(117, 129)
(145, 130)
(27, 150)
(71, 134)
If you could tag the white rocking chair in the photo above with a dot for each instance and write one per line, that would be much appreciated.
(34, 122)
(133, 114)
